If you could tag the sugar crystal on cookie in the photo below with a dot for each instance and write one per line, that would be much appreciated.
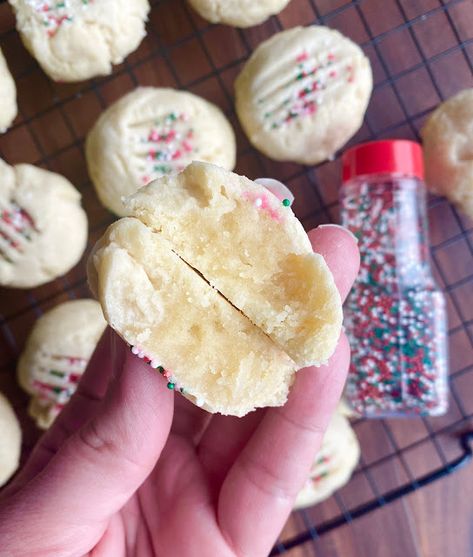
(170, 146)
(16, 229)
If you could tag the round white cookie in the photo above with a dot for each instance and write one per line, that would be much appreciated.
(448, 150)
(240, 13)
(56, 354)
(10, 441)
(43, 228)
(153, 132)
(303, 94)
(333, 465)
(77, 39)
(8, 108)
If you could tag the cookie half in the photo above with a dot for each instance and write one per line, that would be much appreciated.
(10, 441)
(250, 247)
(152, 132)
(56, 355)
(75, 40)
(303, 94)
(333, 465)
(43, 228)
(181, 326)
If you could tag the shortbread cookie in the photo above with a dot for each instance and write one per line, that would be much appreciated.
(303, 94)
(43, 228)
(448, 150)
(10, 441)
(333, 465)
(56, 354)
(77, 39)
(8, 108)
(204, 347)
(153, 132)
(240, 13)
(253, 250)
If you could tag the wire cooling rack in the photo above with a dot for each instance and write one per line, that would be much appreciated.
(421, 53)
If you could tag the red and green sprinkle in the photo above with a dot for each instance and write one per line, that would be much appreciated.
(55, 385)
(304, 92)
(54, 13)
(16, 228)
(169, 146)
(266, 204)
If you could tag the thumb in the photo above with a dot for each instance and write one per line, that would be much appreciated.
(99, 467)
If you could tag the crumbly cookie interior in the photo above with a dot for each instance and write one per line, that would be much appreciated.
(183, 326)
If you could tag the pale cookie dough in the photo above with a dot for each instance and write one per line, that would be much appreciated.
(8, 108)
(75, 40)
(240, 13)
(43, 228)
(250, 247)
(56, 354)
(153, 132)
(204, 347)
(10, 441)
(448, 150)
(303, 94)
(333, 465)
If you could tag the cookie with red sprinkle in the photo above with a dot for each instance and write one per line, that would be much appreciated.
(43, 228)
(303, 94)
(153, 132)
(73, 40)
(213, 282)
(56, 355)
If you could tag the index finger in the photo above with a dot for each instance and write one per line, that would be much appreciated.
(83, 404)
(264, 480)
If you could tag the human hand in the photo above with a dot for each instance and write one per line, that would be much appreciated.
(128, 468)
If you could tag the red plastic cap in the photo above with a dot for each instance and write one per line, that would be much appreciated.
(391, 156)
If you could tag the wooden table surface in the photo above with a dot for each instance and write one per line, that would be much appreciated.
(434, 522)
(421, 52)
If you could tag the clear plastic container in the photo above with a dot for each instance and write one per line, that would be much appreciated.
(395, 315)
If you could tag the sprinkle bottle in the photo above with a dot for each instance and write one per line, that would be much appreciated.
(395, 315)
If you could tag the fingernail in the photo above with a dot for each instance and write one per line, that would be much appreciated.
(277, 188)
(340, 228)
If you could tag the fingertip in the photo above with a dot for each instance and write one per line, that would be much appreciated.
(339, 248)
(337, 230)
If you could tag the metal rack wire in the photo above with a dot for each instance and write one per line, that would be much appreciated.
(421, 53)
